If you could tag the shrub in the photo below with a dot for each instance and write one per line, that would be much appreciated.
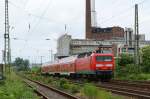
(35, 69)
(90, 91)
(132, 69)
(55, 84)
(127, 70)
(74, 88)
(64, 84)
(125, 66)
(146, 59)
(142, 77)
(49, 80)
(125, 59)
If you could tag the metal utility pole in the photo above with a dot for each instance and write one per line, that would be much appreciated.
(51, 55)
(7, 51)
(126, 35)
(136, 29)
(42, 60)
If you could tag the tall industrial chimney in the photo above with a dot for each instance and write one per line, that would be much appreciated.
(88, 19)
(93, 14)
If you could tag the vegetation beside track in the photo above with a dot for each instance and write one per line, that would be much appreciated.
(88, 91)
(14, 88)
(127, 70)
(21, 64)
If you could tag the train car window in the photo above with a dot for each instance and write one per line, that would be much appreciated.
(99, 51)
(107, 51)
(103, 58)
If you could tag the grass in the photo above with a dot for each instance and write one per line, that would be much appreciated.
(92, 92)
(133, 77)
(14, 88)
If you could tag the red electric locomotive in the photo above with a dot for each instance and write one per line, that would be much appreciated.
(97, 64)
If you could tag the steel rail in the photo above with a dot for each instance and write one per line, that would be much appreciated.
(37, 92)
(67, 95)
(138, 89)
(141, 84)
(126, 90)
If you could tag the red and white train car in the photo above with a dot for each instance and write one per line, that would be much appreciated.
(94, 65)
(65, 66)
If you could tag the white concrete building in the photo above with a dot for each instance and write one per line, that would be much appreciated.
(63, 45)
(129, 37)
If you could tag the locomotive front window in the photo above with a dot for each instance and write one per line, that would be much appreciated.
(103, 58)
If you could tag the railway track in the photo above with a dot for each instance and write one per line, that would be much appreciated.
(127, 89)
(138, 84)
(47, 92)
(137, 90)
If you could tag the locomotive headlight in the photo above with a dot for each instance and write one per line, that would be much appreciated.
(109, 65)
(99, 65)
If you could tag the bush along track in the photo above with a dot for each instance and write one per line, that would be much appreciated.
(88, 91)
(14, 88)
(127, 70)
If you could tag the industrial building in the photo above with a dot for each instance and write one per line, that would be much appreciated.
(98, 33)
(129, 37)
(67, 46)
(118, 39)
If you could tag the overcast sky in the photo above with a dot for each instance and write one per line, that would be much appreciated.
(47, 19)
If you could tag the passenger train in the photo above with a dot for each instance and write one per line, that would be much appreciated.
(97, 65)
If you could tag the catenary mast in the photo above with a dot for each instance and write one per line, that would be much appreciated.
(7, 51)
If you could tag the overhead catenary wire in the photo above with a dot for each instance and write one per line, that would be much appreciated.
(39, 17)
(35, 26)
(27, 39)
(123, 12)
(43, 13)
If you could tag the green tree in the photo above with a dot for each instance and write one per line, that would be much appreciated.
(26, 64)
(21, 64)
(125, 59)
(124, 65)
(146, 58)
